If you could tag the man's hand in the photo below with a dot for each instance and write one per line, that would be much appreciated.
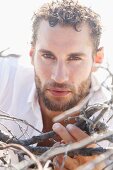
(70, 134)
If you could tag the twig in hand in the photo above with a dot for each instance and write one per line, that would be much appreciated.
(77, 145)
(92, 164)
(26, 142)
(84, 122)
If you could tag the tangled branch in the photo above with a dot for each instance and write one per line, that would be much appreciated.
(86, 120)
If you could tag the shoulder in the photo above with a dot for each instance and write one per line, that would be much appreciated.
(25, 72)
(8, 63)
(101, 93)
(10, 67)
(16, 81)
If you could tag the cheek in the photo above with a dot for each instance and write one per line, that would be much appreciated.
(43, 71)
(79, 73)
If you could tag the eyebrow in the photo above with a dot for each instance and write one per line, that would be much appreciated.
(71, 54)
(45, 51)
(77, 54)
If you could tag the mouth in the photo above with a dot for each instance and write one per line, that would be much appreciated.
(59, 92)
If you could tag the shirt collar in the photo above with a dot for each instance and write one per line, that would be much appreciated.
(95, 85)
(100, 94)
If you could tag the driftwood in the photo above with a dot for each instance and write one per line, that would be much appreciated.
(41, 157)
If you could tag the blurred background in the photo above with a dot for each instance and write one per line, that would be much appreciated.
(15, 25)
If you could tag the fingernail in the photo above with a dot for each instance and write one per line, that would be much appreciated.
(70, 126)
(56, 126)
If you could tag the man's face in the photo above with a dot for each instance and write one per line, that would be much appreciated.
(63, 63)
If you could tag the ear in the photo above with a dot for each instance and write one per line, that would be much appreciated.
(99, 55)
(98, 59)
(31, 53)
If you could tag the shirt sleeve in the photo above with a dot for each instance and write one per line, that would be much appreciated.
(7, 76)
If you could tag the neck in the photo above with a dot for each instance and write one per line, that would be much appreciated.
(48, 116)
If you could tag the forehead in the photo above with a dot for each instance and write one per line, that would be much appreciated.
(63, 36)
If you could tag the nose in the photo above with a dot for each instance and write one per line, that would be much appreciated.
(60, 73)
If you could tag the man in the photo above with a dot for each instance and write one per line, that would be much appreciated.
(63, 52)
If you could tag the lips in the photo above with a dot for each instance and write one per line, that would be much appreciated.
(59, 92)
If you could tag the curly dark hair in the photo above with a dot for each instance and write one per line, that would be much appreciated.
(67, 12)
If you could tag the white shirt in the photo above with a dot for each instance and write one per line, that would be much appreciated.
(18, 97)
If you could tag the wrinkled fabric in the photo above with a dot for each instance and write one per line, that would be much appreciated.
(18, 98)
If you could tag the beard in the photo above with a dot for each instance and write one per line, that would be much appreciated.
(62, 104)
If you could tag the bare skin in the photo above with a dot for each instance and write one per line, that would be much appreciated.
(70, 134)
(65, 58)
(63, 61)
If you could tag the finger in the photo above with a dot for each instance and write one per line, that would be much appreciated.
(60, 168)
(56, 168)
(67, 162)
(76, 132)
(85, 159)
(63, 133)
(71, 163)
(58, 163)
